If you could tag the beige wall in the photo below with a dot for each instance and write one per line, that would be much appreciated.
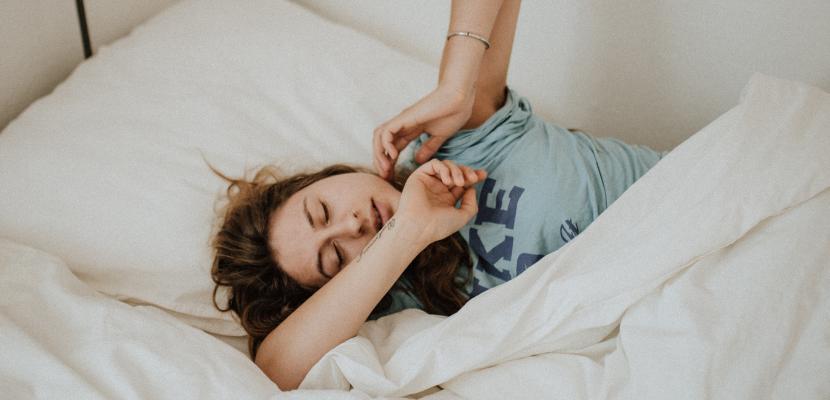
(40, 42)
(651, 72)
(109, 20)
(647, 71)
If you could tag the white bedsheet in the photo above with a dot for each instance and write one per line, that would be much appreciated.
(60, 339)
(709, 278)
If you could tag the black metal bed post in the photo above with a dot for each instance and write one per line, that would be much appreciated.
(79, 4)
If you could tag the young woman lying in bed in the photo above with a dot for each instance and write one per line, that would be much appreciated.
(309, 258)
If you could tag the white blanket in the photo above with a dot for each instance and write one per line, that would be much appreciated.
(61, 339)
(709, 278)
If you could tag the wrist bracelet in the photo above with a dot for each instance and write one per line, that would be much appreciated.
(480, 38)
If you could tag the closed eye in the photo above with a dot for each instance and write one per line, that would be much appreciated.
(339, 254)
(325, 212)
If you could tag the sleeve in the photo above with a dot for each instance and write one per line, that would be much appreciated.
(621, 164)
(401, 300)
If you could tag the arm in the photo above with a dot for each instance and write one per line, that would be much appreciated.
(334, 313)
(337, 310)
(462, 56)
(446, 109)
(492, 76)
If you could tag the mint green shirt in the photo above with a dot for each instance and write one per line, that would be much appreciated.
(545, 185)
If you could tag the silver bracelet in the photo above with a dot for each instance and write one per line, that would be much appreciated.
(471, 35)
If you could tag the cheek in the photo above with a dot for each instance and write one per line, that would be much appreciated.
(393, 197)
(355, 248)
(387, 191)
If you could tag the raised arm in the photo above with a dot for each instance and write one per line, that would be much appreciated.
(463, 55)
(334, 313)
(492, 75)
(449, 107)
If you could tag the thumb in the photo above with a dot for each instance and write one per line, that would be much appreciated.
(457, 192)
(428, 149)
(469, 206)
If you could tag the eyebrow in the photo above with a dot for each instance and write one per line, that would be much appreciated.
(319, 254)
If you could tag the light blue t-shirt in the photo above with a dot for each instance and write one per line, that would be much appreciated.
(545, 185)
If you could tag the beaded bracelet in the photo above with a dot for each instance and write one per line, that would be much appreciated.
(471, 35)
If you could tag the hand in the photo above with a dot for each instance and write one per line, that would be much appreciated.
(430, 194)
(441, 114)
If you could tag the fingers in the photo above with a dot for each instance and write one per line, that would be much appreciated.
(379, 159)
(482, 174)
(453, 175)
(444, 171)
(385, 153)
(429, 148)
(406, 136)
(469, 173)
(388, 140)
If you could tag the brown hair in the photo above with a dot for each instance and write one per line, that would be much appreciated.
(262, 295)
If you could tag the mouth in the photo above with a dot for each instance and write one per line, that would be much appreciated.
(377, 217)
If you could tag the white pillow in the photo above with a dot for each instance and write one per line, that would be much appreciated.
(107, 172)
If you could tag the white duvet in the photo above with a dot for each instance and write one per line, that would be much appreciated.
(709, 278)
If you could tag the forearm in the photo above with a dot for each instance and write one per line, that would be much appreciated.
(492, 75)
(462, 56)
(337, 310)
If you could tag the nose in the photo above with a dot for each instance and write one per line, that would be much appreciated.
(351, 234)
(351, 226)
(355, 225)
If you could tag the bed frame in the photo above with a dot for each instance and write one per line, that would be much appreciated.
(79, 4)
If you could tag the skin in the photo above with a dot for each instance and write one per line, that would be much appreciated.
(425, 212)
(351, 201)
(471, 84)
(437, 200)
(312, 249)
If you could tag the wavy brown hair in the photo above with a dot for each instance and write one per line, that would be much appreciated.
(262, 295)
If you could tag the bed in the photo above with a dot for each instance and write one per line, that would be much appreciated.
(709, 278)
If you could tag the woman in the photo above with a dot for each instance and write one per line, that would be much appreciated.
(309, 258)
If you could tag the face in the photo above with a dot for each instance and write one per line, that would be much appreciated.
(322, 227)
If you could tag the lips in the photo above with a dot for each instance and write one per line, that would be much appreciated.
(376, 216)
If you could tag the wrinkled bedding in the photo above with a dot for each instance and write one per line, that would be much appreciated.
(709, 278)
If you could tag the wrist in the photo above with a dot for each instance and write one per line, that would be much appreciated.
(456, 97)
(460, 64)
(410, 231)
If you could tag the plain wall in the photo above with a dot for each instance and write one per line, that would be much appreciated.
(40, 42)
(109, 20)
(651, 72)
